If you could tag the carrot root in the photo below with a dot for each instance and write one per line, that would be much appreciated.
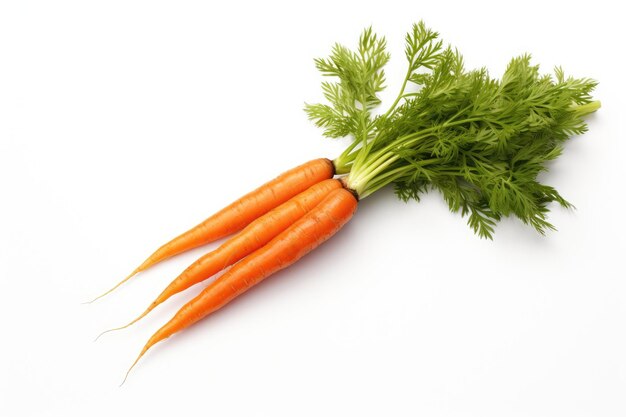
(289, 246)
(142, 315)
(240, 213)
(133, 365)
(132, 274)
(254, 236)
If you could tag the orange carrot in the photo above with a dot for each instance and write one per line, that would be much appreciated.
(299, 239)
(240, 213)
(253, 237)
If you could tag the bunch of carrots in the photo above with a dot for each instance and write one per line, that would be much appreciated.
(479, 141)
(278, 223)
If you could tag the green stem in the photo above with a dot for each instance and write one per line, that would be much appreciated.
(343, 161)
(393, 175)
(359, 183)
(395, 103)
(361, 155)
(373, 165)
(412, 138)
(369, 176)
(588, 108)
(384, 180)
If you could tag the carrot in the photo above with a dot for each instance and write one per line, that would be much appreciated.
(299, 239)
(479, 140)
(240, 213)
(253, 237)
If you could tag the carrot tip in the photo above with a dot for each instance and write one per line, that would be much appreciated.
(143, 351)
(125, 377)
(115, 287)
(123, 327)
(106, 331)
(129, 369)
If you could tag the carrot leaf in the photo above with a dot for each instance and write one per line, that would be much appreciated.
(480, 141)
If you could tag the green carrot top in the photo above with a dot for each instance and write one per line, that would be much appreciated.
(480, 141)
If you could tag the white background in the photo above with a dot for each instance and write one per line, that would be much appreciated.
(123, 123)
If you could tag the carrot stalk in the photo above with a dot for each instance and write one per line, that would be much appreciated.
(299, 239)
(253, 237)
(240, 213)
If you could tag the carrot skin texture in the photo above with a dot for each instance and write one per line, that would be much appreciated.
(246, 209)
(240, 213)
(252, 237)
(302, 237)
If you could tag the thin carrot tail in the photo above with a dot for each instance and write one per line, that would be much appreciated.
(132, 274)
(240, 213)
(326, 219)
(143, 351)
(142, 315)
(161, 334)
(153, 259)
(160, 299)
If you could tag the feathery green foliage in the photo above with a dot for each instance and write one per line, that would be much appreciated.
(361, 78)
(480, 141)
